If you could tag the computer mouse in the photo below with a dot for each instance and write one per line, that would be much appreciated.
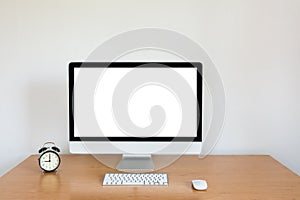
(199, 184)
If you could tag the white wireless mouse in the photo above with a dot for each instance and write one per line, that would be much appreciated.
(199, 184)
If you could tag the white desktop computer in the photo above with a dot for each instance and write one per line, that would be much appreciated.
(137, 109)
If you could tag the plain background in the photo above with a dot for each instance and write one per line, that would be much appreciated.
(255, 45)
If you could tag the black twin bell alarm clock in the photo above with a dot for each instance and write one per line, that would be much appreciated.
(49, 159)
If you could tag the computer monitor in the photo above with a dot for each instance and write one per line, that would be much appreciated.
(137, 109)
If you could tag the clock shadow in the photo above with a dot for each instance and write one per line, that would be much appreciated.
(50, 186)
(50, 182)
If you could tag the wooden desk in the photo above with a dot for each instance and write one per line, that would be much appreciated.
(228, 177)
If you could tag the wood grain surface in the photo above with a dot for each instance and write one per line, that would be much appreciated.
(228, 177)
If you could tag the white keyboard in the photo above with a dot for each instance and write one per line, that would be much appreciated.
(132, 179)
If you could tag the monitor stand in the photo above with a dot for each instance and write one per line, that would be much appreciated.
(131, 162)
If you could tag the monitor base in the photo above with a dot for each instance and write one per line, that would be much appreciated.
(135, 163)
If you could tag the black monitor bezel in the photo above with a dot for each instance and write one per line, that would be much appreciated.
(73, 65)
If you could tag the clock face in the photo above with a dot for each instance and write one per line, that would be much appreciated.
(49, 161)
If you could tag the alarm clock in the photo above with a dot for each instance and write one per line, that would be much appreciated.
(49, 159)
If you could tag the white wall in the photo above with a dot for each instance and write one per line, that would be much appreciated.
(258, 55)
(255, 45)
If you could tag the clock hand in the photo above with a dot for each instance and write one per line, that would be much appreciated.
(49, 158)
